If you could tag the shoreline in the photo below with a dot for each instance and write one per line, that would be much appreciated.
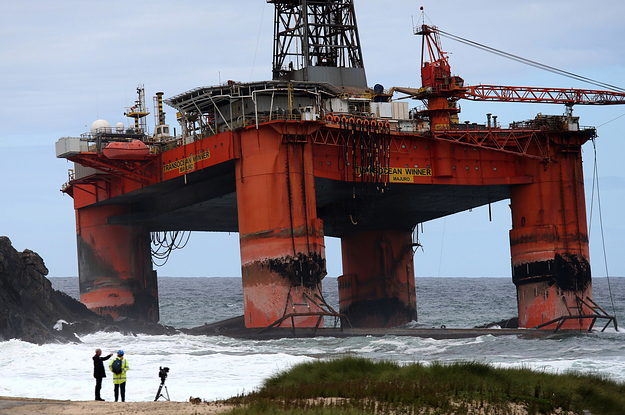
(28, 406)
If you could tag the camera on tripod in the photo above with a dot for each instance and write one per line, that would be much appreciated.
(162, 373)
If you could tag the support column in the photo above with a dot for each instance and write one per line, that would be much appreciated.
(377, 288)
(282, 246)
(549, 243)
(115, 266)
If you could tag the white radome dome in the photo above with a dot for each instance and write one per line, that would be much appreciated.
(100, 126)
(119, 127)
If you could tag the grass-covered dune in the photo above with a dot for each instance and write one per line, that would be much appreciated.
(362, 386)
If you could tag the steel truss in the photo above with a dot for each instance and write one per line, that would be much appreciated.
(315, 33)
(597, 313)
(543, 95)
(521, 142)
(318, 301)
(527, 143)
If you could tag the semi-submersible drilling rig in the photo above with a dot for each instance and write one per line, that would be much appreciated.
(317, 152)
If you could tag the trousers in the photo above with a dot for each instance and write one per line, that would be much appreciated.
(98, 386)
(121, 387)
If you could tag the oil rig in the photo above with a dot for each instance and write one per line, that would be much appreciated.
(315, 151)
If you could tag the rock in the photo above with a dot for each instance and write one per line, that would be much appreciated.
(511, 323)
(234, 323)
(31, 310)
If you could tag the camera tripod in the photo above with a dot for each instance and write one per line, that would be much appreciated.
(159, 394)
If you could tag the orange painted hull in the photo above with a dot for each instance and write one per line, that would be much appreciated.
(377, 289)
(549, 244)
(282, 250)
(542, 302)
(114, 266)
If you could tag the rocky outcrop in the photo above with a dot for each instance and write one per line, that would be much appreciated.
(31, 310)
(511, 323)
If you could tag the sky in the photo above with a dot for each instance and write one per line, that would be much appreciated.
(65, 64)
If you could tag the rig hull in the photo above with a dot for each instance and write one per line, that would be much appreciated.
(285, 182)
(315, 152)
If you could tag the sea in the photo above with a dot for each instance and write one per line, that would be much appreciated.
(218, 367)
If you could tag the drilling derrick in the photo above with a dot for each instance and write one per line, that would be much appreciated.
(317, 41)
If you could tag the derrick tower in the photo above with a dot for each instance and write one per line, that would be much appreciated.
(317, 41)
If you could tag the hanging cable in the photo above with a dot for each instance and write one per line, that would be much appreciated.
(605, 257)
(613, 119)
(592, 193)
(163, 243)
(257, 41)
(529, 62)
(440, 260)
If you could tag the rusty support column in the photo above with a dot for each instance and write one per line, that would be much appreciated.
(115, 266)
(549, 243)
(282, 247)
(377, 288)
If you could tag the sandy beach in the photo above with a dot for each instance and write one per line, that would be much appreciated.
(25, 406)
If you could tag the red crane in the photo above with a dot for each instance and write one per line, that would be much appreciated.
(567, 96)
(442, 90)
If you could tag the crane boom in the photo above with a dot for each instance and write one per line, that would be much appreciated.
(441, 90)
(566, 96)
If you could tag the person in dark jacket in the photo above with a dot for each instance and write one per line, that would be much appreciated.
(98, 371)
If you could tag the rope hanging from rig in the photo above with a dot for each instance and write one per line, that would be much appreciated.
(365, 152)
(595, 179)
(530, 62)
(163, 243)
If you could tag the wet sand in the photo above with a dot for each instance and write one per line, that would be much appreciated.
(26, 406)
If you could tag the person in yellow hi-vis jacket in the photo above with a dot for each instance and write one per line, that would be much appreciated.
(119, 367)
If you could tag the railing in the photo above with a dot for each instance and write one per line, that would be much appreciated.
(598, 313)
(71, 175)
(326, 310)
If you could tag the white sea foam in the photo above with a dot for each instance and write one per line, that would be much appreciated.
(613, 369)
(219, 367)
(56, 371)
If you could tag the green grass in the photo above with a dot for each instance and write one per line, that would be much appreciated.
(368, 387)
